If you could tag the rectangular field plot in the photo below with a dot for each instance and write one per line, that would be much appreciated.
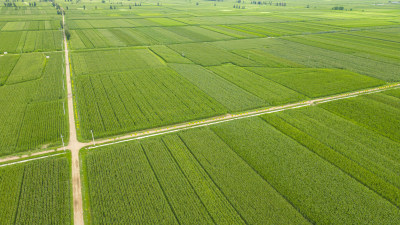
(12, 26)
(366, 155)
(163, 36)
(380, 113)
(315, 186)
(31, 25)
(29, 41)
(214, 20)
(7, 64)
(29, 67)
(189, 178)
(381, 50)
(32, 112)
(36, 192)
(272, 92)
(198, 34)
(266, 59)
(169, 55)
(225, 92)
(9, 41)
(109, 23)
(317, 82)
(230, 32)
(111, 37)
(165, 21)
(92, 62)
(317, 57)
(121, 102)
(365, 22)
(208, 55)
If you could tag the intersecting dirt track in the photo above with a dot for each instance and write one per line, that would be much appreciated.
(74, 145)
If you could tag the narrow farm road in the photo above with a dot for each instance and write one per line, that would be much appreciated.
(231, 117)
(74, 145)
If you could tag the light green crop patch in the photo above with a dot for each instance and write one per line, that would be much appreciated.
(29, 67)
(7, 63)
(165, 21)
(317, 82)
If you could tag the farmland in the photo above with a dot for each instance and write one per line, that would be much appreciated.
(257, 58)
(199, 112)
(32, 112)
(303, 162)
(36, 192)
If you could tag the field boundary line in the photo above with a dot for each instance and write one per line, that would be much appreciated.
(231, 117)
(27, 160)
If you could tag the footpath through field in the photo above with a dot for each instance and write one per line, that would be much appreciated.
(74, 145)
(231, 117)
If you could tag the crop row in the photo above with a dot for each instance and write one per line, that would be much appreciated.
(317, 82)
(28, 41)
(31, 25)
(381, 50)
(93, 62)
(299, 166)
(117, 37)
(318, 188)
(121, 102)
(365, 155)
(36, 192)
(272, 92)
(193, 178)
(228, 94)
(208, 55)
(379, 113)
(33, 112)
(316, 57)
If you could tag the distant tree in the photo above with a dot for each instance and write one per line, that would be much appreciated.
(84, 7)
(67, 33)
(338, 8)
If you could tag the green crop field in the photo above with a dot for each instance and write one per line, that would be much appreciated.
(240, 59)
(32, 86)
(36, 192)
(32, 102)
(200, 112)
(308, 166)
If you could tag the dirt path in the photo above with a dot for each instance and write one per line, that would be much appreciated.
(231, 117)
(27, 160)
(74, 145)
